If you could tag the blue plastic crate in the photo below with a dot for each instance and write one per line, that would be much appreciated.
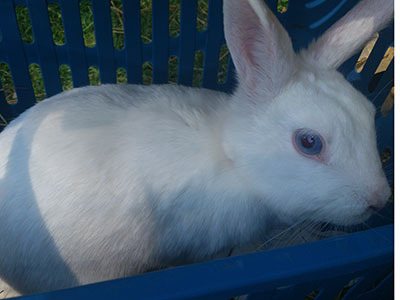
(364, 259)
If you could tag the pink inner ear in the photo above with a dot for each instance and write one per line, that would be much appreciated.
(241, 31)
(250, 69)
(260, 47)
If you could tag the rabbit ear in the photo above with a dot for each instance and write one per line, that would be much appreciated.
(346, 36)
(260, 47)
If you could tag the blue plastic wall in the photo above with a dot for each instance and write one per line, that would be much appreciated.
(289, 273)
(324, 267)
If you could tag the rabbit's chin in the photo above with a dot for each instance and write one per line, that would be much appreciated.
(355, 219)
(338, 214)
(340, 221)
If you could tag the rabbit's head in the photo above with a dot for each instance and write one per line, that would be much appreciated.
(302, 138)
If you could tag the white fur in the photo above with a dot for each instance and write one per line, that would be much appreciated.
(104, 182)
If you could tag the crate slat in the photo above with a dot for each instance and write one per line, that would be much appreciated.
(74, 42)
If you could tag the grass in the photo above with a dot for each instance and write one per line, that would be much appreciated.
(283, 5)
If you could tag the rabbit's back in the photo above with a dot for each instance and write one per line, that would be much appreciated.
(79, 177)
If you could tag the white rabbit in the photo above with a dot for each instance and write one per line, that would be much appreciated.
(104, 182)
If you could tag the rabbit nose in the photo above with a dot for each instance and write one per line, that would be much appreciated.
(379, 198)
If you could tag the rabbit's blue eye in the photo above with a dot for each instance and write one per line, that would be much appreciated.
(308, 142)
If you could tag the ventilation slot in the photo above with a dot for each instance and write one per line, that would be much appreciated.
(365, 53)
(94, 76)
(173, 70)
(65, 77)
(87, 22)
(147, 73)
(198, 68)
(386, 155)
(37, 82)
(121, 76)
(202, 14)
(24, 24)
(174, 17)
(387, 105)
(311, 296)
(117, 23)
(146, 20)
(347, 288)
(380, 70)
(386, 276)
(56, 23)
(7, 84)
(3, 123)
(282, 6)
(223, 64)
